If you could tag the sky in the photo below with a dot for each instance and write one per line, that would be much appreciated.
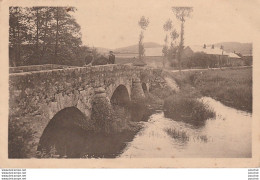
(114, 23)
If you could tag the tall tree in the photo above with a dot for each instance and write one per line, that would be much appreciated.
(173, 48)
(143, 23)
(18, 30)
(167, 27)
(174, 36)
(45, 36)
(39, 35)
(37, 29)
(36, 23)
(57, 17)
(181, 13)
(67, 36)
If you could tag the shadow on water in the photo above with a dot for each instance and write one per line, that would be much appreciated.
(65, 138)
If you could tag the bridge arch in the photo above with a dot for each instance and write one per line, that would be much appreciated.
(121, 105)
(63, 133)
(120, 96)
(61, 102)
(111, 88)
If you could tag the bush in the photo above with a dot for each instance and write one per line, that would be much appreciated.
(19, 138)
(101, 60)
(182, 108)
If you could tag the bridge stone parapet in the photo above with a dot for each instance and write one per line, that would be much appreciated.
(35, 97)
(20, 69)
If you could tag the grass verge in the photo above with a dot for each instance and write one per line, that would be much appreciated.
(232, 87)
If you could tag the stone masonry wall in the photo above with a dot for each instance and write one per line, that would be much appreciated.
(35, 97)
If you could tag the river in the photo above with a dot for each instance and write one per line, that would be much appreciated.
(226, 136)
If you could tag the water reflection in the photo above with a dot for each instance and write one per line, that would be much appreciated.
(64, 138)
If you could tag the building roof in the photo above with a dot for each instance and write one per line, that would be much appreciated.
(215, 51)
(208, 50)
(247, 55)
(233, 55)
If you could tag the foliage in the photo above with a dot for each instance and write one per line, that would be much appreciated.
(170, 52)
(180, 135)
(51, 153)
(19, 139)
(100, 60)
(167, 25)
(103, 122)
(232, 87)
(201, 60)
(143, 23)
(165, 49)
(183, 136)
(174, 35)
(40, 35)
(181, 107)
(181, 14)
(141, 49)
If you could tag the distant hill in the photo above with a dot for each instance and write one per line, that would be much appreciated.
(128, 49)
(243, 48)
(134, 48)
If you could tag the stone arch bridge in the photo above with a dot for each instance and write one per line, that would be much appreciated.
(36, 96)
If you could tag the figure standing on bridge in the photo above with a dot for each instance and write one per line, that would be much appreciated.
(89, 59)
(111, 58)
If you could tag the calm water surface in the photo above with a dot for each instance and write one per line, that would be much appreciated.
(227, 135)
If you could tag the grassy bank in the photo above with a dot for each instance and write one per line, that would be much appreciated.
(184, 105)
(232, 87)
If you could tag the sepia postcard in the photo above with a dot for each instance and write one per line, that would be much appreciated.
(129, 84)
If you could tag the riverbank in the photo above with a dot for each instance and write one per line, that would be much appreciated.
(232, 87)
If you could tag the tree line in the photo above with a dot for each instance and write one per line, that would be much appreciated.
(174, 51)
(51, 35)
(42, 35)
